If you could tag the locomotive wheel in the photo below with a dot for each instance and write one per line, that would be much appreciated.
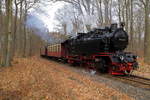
(101, 66)
(65, 61)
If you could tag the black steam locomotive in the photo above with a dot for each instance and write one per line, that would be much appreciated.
(101, 49)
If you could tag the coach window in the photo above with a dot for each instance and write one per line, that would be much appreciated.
(55, 48)
(58, 47)
(50, 48)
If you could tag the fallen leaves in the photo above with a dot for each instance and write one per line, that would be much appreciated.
(144, 69)
(39, 79)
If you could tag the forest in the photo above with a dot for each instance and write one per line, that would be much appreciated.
(19, 40)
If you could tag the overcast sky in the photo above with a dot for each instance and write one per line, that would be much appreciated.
(46, 13)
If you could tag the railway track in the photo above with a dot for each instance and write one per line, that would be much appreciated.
(133, 80)
(137, 81)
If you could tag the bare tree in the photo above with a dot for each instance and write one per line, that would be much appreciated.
(106, 6)
(15, 36)
(146, 4)
(8, 32)
(100, 12)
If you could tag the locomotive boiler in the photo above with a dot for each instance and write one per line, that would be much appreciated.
(100, 40)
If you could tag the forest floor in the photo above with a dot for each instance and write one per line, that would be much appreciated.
(144, 69)
(40, 79)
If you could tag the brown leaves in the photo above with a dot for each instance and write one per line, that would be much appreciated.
(37, 78)
(144, 69)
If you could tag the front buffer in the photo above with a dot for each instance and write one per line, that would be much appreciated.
(122, 63)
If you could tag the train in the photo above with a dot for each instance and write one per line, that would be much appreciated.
(102, 49)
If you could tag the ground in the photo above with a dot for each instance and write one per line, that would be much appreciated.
(144, 69)
(39, 79)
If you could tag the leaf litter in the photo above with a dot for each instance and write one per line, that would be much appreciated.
(39, 79)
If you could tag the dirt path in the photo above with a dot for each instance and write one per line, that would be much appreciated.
(39, 79)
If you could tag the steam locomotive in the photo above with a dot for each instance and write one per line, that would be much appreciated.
(101, 49)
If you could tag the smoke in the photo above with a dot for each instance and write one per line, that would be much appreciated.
(39, 27)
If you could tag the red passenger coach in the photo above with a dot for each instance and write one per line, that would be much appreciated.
(52, 51)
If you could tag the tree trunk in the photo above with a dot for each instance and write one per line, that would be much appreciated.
(127, 19)
(101, 13)
(147, 33)
(106, 3)
(119, 11)
(26, 37)
(110, 12)
(0, 13)
(0, 31)
(131, 25)
(20, 37)
(15, 29)
(8, 31)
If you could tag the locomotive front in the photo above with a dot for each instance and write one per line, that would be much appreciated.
(119, 40)
(121, 62)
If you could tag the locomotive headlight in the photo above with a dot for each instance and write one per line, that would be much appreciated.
(97, 60)
(121, 58)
